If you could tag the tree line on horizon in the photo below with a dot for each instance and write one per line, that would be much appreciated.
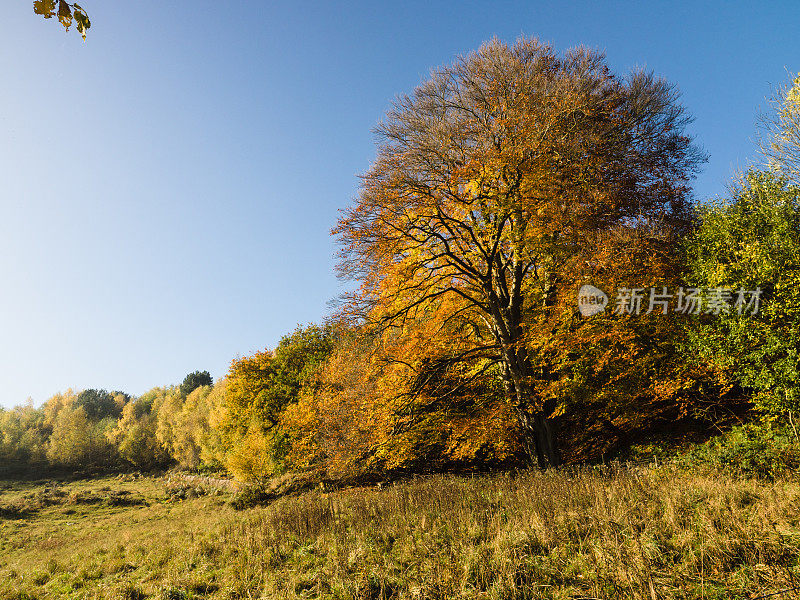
(502, 185)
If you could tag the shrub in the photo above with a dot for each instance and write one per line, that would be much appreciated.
(765, 450)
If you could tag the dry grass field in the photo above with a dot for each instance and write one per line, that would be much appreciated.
(651, 533)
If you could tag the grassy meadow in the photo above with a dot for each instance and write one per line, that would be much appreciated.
(655, 532)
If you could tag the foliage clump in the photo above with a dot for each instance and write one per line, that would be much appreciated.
(767, 450)
(752, 243)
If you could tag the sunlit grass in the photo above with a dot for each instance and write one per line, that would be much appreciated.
(659, 533)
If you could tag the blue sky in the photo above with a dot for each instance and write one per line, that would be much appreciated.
(168, 187)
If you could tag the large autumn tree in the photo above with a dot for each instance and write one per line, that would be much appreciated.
(496, 184)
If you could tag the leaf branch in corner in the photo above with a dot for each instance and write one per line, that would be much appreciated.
(66, 13)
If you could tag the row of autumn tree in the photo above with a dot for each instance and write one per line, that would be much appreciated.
(502, 185)
(231, 425)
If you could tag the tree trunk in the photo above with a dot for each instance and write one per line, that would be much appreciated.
(538, 431)
(547, 441)
(539, 438)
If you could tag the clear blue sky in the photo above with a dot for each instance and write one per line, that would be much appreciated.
(168, 187)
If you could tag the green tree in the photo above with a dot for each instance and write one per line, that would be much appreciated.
(747, 243)
(100, 404)
(260, 386)
(194, 380)
(258, 389)
(297, 358)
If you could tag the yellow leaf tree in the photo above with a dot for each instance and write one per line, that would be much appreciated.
(494, 182)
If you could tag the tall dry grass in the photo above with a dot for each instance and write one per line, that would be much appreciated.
(580, 534)
(658, 533)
